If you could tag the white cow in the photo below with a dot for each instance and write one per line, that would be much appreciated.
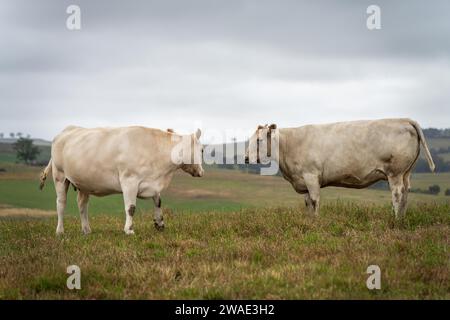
(135, 161)
(347, 154)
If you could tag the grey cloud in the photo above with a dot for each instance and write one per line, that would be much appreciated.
(221, 63)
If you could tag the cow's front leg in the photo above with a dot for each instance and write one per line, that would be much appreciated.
(129, 197)
(158, 219)
(313, 195)
(309, 204)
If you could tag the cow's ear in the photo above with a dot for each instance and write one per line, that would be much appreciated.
(198, 133)
(260, 127)
(273, 126)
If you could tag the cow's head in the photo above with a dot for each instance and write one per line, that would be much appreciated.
(260, 144)
(192, 162)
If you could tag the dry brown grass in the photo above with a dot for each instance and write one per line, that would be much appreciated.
(25, 212)
(199, 193)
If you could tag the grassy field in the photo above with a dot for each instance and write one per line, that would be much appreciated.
(228, 235)
(440, 143)
(437, 143)
(276, 253)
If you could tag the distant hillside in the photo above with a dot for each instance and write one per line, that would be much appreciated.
(433, 133)
(37, 142)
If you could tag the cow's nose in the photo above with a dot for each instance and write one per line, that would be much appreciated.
(200, 174)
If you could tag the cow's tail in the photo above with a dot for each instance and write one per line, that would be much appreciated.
(424, 144)
(44, 174)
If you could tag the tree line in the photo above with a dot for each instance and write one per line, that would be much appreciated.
(434, 133)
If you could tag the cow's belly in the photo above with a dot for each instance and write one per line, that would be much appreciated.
(97, 188)
(95, 184)
(149, 188)
(109, 185)
(357, 180)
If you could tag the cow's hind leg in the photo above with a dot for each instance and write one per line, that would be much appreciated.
(129, 197)
(159, 221)
(61, 187)
(407, 184)
(399, 195)
(407, 181)
(83, 200)
(313, 197)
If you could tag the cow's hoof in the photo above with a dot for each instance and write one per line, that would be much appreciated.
(59, 232)
(86, 231)
(129, 232)
(159, 227)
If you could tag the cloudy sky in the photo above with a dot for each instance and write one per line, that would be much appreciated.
(221, 65)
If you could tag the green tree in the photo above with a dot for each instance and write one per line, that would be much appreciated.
(25, 150)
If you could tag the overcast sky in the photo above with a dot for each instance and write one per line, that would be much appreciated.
(221, 65)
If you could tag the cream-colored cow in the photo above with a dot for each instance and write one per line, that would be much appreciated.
(347, 154)
(135, 161)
